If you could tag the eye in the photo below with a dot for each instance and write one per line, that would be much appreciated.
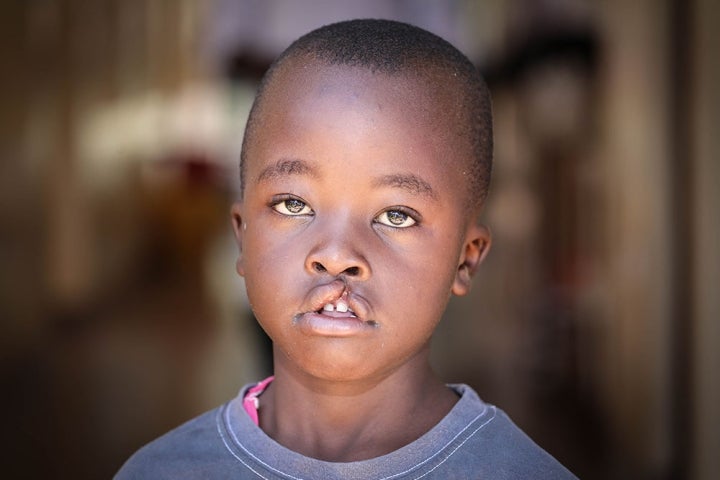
(396, 219)
(292, 207)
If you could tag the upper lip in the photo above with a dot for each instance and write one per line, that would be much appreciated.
(331, 292)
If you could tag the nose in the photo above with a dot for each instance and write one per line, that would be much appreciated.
(335, 252)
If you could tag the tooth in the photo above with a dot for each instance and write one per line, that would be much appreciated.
(329, 307)
(341, 306)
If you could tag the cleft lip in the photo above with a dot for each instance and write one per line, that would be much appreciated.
(332, 293)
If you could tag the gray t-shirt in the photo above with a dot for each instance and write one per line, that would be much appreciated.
(474, 440)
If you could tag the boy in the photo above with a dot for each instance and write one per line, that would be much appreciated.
(364, 167)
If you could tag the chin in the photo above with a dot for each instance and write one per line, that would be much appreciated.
(339, 370)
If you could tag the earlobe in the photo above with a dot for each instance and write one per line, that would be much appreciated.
(475, 248)
(238, 229)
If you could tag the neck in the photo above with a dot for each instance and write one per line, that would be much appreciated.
(352, 421)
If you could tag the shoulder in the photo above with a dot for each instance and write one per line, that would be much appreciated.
(184, 452)
(494, 447)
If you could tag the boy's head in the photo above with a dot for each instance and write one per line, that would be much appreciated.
(365, 162)
(398, 50)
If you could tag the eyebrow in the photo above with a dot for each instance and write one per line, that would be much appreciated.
(409, 182)
(286, 167)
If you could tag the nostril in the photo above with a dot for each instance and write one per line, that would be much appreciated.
(352, 271)
(319, 267)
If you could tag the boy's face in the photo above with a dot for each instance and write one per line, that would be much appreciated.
(353, 228)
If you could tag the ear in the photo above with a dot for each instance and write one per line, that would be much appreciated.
(238, 228)
(475, 248)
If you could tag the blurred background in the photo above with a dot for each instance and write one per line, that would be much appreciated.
(594, 321)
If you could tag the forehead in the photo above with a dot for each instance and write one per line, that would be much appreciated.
(431, 95)
(403, 117)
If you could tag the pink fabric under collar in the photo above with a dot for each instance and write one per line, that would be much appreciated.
(251, 403)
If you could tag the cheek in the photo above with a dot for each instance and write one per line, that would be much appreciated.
(438, 273)
(420, 284)
(265, 266)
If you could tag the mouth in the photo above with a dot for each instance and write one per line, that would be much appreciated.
(338, 308)
(334, 310)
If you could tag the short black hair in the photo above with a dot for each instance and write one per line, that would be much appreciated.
(395, 48)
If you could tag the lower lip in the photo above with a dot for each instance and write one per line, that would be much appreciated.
(313, 323)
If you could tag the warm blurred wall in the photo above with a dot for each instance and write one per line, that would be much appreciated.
(705, 141)
(659, 277)
(660, 115)
(89, 95)
(637, 301)
(70, 232)
(658, 270)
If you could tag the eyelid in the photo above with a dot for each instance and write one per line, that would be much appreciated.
(278, 200)
(412, 214)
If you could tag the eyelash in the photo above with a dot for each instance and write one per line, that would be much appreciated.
(280, 205)
(410, 215)
(281, 202)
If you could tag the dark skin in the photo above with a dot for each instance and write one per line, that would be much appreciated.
(353, 234)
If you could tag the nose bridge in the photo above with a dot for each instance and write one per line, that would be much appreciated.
(337, 247)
